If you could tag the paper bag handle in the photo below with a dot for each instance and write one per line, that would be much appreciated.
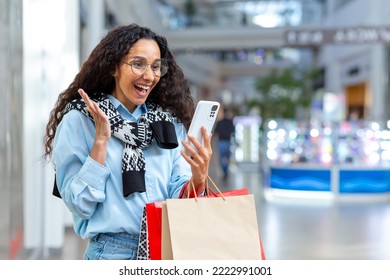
(207, 188)
(215, 186)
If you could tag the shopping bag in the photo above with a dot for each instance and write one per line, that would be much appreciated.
(143, 252)
(211, 228)
(211, 193)
(243, 191)
(149, 243)
(153, 218)
(152, 221)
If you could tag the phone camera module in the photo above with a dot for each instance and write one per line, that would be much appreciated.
(214, 108)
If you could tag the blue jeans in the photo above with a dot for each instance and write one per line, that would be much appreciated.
(112, 246)
(224, 155)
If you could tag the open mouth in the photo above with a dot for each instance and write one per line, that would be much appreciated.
(141, 88)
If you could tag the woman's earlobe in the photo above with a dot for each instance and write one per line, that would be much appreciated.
(115, 73)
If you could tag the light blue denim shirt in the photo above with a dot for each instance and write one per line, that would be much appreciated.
(93, 192)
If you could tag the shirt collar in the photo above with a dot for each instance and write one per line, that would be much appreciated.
(140, 110)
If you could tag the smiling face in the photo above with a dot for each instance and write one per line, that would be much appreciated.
(132, 89)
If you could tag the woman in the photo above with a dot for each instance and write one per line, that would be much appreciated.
(118, 146)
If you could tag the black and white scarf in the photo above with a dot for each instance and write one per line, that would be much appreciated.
(154, 124)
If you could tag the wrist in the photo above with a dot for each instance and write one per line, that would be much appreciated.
(99, 151)
(199, 185)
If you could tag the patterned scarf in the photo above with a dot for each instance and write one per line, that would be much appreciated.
(155, 124)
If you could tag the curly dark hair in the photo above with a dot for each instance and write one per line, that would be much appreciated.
(172, 92)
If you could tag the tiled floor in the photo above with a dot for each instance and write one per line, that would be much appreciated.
(296, 228)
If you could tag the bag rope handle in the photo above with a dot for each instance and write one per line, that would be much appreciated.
(207, 188)
(215, 186)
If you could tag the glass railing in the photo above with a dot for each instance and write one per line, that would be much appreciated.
(227, 14)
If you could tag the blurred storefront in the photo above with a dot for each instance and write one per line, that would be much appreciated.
(347, 160)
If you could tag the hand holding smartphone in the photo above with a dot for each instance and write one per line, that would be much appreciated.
(205, 115)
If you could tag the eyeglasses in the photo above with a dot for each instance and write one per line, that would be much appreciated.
(138, 66)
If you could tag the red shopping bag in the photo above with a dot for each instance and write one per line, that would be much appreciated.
(211, 193)
(153, 218)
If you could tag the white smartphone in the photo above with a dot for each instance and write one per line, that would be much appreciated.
(205, 115)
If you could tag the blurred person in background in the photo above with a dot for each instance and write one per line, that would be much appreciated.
(224, 130)
(122, 144)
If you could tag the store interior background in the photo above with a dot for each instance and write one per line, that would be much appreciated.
(225, 48)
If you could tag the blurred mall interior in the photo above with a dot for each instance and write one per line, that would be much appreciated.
(307, 82)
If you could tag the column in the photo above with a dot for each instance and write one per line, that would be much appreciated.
(51, 60)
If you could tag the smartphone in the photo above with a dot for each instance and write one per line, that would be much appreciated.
(205, 115)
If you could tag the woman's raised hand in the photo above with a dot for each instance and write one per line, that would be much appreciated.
(103, 129)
